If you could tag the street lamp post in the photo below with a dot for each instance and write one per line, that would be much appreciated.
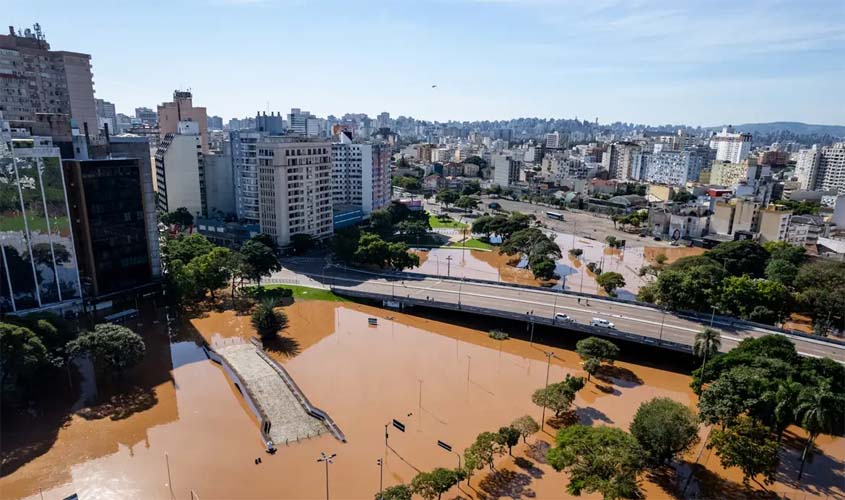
(549, 356)
(380, 464)
(662, 320)
(327, 459)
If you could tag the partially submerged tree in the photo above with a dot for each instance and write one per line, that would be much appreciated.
(110, 347)
(664, 429)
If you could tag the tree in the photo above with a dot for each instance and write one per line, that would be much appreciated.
(821, 291)
(431, 485)
(610, 281)
(407, 183)
(468, 203)
(604, 460)
(781, 250)
(560, 396)
(743, 389)
(400, 258)
(111, 347)
(754, 299)
(413, 228)
(706, 345)
(594, 347)
(819, 411)
(372, 250)
(591, 366)
(345, 243)
(485, 224)
(212, 270)
(508, 436)
(446, 197)
(664, 429)
(381, 223)
(526, 426)
(781, 271)
(483, 451)
(741, 257)
(22, 357)
(180, 217)
(471, 188)
(301, 242)
(690, 283)
(259, 258)
(576, 252)
(398, 492)
(543, 268)
(267, 321)
(185, 248)
(748, 445)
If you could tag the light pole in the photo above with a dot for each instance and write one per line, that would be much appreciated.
(549, 356)
(662, 320)
(469, 362)
(712, 315)
(380, 464)
(327, 459)
(448, 266)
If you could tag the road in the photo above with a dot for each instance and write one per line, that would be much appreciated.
(632, 318)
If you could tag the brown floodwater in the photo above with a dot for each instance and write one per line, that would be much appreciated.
(444, 381)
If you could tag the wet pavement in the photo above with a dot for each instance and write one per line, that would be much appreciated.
(186, 428)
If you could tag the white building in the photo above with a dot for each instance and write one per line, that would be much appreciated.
(295, 188)
(831, 170)
(304, 123)
(180, 175)
(244, 144)
(553, 141)
(806, 167)
(674, 168)
(619, 159)
(360, 174)
(505, 170)
(731, 147)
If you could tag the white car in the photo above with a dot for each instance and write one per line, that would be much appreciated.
(564, 318)
(601, 323)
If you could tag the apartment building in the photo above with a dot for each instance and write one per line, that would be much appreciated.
(505, 170)
(731, 147)
(737, 214)
(35, 79)
(806, 167)
(724, 173)
(674, 168)
(182, 109)
(774, 223)
(619, 159)
(831, 169)
(180, 171)
(295, 187)
(360, 174)
(244, 150)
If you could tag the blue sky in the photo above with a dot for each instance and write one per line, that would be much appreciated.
(700, 63)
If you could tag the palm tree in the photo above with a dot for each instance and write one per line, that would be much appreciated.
(785, 401)
(707, 343)
(816, 409)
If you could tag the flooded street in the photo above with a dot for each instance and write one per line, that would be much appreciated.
(443, 381)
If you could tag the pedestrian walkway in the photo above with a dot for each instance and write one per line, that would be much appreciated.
(289, 420)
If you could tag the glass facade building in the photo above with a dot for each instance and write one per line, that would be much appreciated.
(39, 264)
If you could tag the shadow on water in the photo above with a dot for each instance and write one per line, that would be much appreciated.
(590, 415)
(506, 484)
(31, 431)
(287, 346)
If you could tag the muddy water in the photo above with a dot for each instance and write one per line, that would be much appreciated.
(444, 382)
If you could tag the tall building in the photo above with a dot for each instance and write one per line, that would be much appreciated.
(723, 173)
(619, 159)
(215, 123)
(294, 176)
(106, 115)
(38, 259)
(304, 123)
(505, 170)
(180, 171)
(831, 169)
(244, 144)
(219, 181)
(108, 216)
(360, 174)
(138, 147)
(731, 147)
(273, 124)
(773, 223)
(35, 79)
(182, 109)
(806, 167)
(147, 116)
(553, 141)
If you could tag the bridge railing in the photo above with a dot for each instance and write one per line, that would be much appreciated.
(604, 332)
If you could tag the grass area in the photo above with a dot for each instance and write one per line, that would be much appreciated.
(429, 240)
(308, 293)
(439, 224)
(473, 244)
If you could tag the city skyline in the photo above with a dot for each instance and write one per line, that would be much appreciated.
(489, 60)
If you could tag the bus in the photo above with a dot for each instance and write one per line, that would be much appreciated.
(554, 215)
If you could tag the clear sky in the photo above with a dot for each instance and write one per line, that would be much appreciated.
(699, 63)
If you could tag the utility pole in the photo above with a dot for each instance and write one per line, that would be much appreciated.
(549, 355)
(380, 464)
(448, 266)
(327, 459)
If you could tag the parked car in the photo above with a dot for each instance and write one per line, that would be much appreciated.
(602, 323)
(564, 318)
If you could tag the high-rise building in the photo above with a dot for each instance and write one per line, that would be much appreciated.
(180, 171)
(619, 159)
(147, 116)
(304, 123)
(360, 174)
(553, 141)
(219, 181)
(294, 176)
(674, 168)
(244, 144)
(505, 170)
(806, 167)
(111, 232)
(730, 146)
(773, 223)
(831, 169)
(35, 79)
(215, 123)
(181, 109)
(106, 115)
(723, 173)
(38, 260)
(274, 124)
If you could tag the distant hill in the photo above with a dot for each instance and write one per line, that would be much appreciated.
(797, 128)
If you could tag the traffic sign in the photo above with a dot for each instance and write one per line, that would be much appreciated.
(399, 425)
(444, 445)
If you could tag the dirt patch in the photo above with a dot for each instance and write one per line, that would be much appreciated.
(672, 253)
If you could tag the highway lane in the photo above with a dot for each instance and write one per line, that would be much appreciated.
(633, 318)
